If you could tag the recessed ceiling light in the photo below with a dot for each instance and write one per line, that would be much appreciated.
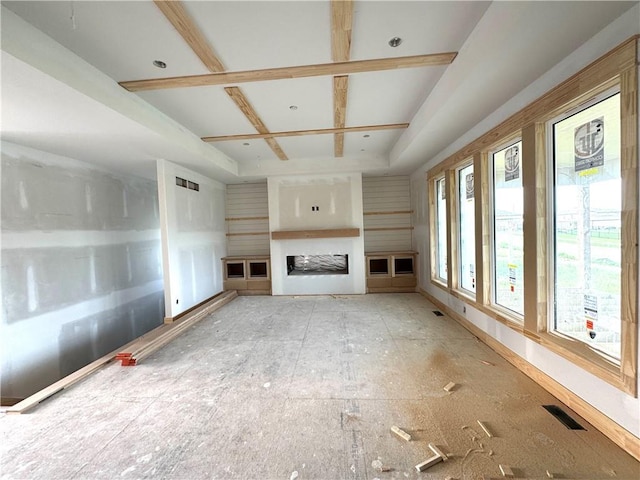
(366, 135)
(246, 144)
(159, 64)
(293, 107)
(395, 41)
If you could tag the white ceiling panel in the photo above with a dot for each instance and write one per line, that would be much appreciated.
(255, 35)
(256, 151)
(122, 39)
(392, 96)
(378, 142)
(308, 146)
(206, 111)
(424, 27)
(313, 97)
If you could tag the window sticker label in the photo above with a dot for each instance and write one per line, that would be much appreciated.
(469, 186)
(512, 277)
(590, 310)
(512, 163)
(589, 145)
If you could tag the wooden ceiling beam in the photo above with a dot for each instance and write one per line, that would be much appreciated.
(340, 86)
(182, 22)
(284, 73)
(298, 133)
(243, 104)
(341, 23)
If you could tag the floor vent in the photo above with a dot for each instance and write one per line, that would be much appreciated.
(438, 313)
(563, 417)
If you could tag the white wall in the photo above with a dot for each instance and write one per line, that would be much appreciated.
(619, 406)
(193, 237)
(81, 265)
(339, 198)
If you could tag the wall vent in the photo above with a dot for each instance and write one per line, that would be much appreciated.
(181, 182)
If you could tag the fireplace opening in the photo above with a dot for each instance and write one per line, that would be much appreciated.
(318, 264)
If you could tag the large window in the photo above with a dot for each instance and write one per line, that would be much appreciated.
(507, 239)
(441, 229)
(466, 230)
(587, 225)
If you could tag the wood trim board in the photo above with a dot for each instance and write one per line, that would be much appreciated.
(297, 133)
(182, 22)
(326, 233)
(284, 73)
(247, 109)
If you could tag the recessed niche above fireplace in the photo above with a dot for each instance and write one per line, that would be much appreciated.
(318, 264)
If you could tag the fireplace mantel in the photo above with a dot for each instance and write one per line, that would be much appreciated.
(319, 233)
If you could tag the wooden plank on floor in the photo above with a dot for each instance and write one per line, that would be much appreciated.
(143, 349)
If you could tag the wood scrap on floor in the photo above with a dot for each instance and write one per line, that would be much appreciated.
(167, 332)
(486, 430)
(401, 433)
(449, 387)
(438, 456)
(506, 471)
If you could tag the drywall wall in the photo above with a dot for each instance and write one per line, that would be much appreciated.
(81, 265)
(193, 236)
(247, 219)
(387, 213)
(316, 202)
(622, 408)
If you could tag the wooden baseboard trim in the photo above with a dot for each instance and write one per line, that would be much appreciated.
(192, 309)
(40, 396)
(153, 336)
(616, 433)
(167, 332)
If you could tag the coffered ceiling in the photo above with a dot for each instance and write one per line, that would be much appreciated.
(306, 86)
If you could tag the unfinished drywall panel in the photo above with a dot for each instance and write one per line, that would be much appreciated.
(81, 265)
(247, 216)
(192, 209)
(332, 202)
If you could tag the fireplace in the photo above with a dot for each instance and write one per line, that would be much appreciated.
(318, 264)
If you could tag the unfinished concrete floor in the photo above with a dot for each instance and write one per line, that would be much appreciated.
(307, 387)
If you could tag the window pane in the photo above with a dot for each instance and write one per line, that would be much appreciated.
(587, 244)
(441, 228)
(507, 229)
(467, 263)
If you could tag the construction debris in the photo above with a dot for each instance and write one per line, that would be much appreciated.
(488, 363)
(486, 430)
(162, 335)
(506, 471)
(401, 433)
(449, 386)
(437, 458)
(549, 474)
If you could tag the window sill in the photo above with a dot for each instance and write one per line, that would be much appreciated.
(588, 359)
(440, 284)
(511, 321)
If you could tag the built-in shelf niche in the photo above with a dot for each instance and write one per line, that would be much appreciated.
(249, 275)
(391, 272)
